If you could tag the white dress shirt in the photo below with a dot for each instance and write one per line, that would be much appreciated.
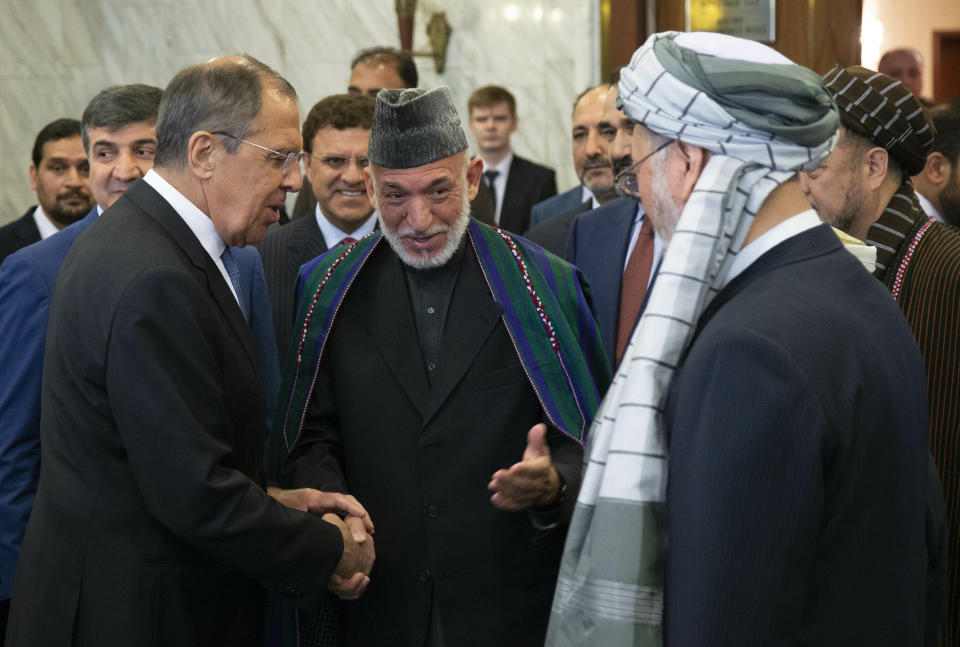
(928, 207)
(198, 222)
(44, 225)
(771, 238)
(332, 235)
(499, 182)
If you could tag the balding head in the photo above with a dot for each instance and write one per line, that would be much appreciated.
(905, 65)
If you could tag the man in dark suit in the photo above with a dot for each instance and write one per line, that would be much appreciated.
(121, 121)
(427, 311)
(592, 135)
(151, 524)
(515, 184)
(58, 173)
(594, 130)
(371, 70)
(335, 137)
(790, 452)
(603, 243)
(119, 125)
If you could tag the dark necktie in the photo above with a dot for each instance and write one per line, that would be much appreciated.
(491, 176)
(233, 271)
(634, 286)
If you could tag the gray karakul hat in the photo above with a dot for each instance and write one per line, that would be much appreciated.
(414, 127)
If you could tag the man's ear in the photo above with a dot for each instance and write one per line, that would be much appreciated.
(33, 177)
(474, 172)
(693, 160)
(368, 181)
(877, 161)
(203, 152)
(938, 168)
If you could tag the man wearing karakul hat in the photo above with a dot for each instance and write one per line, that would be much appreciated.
(428, 357)
(757, 470)
(864, 188)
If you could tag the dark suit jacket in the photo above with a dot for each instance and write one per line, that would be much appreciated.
(552, 233)
(797, 430)
(284, 250)
(19, 233)
(27, 280)
(420, 459)
(527, 184)
(556, 205)
(598, 243)
(150, 525)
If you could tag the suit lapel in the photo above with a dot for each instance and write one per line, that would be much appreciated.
(306, 243)
(390, 323)
(146, 197)
(511, 217)
(472, 317)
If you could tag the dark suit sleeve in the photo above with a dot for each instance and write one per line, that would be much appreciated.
(24, 305)
(745, 493)
(165, 386)
(549, 188)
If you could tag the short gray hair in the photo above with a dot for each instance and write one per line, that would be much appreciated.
(215, 96)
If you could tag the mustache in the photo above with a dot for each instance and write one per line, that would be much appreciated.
(407, 231)
(620, 163)
(596, 160)
(71, 193)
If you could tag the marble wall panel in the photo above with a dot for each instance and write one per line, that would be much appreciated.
(56, 54)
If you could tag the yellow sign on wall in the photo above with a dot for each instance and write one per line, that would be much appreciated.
(753, 19)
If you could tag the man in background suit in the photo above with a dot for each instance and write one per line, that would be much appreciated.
(151, 525)
(595, 119)
(603, 241)
(121, 123)
(371, 70)
(335, 138)
(515, 184)
(592, 136)
(58, 173)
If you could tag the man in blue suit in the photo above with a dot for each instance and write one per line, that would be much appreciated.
(601, 242)
(119, 137)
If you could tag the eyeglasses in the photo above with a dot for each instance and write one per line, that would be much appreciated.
(284, 159)
(626, 180)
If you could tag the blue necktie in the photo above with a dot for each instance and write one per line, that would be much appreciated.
(233, 271)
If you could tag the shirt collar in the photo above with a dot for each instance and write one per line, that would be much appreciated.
(332, 236)
(44, 225)
(789, 228)
(587, 194)
(928, 207)
(199, 223)
(503, 167)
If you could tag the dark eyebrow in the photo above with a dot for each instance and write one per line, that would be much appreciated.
(105, 142)
(144, 141)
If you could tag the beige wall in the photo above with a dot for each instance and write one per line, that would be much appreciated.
(909, 23)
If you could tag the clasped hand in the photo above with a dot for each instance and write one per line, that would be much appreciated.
(531, 482)
(352, 574)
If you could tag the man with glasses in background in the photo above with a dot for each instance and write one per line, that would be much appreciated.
(335, 137)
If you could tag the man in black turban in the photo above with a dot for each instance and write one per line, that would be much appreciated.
(864, 188)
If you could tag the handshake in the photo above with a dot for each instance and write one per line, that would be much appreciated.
(352, 575)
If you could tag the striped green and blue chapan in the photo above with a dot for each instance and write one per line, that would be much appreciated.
(545, 309)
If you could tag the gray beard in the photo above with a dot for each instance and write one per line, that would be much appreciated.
(455, 233)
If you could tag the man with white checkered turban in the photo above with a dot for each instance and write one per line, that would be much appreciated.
(756, 473)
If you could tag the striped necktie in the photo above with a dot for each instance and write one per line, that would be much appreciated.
(233, 271)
